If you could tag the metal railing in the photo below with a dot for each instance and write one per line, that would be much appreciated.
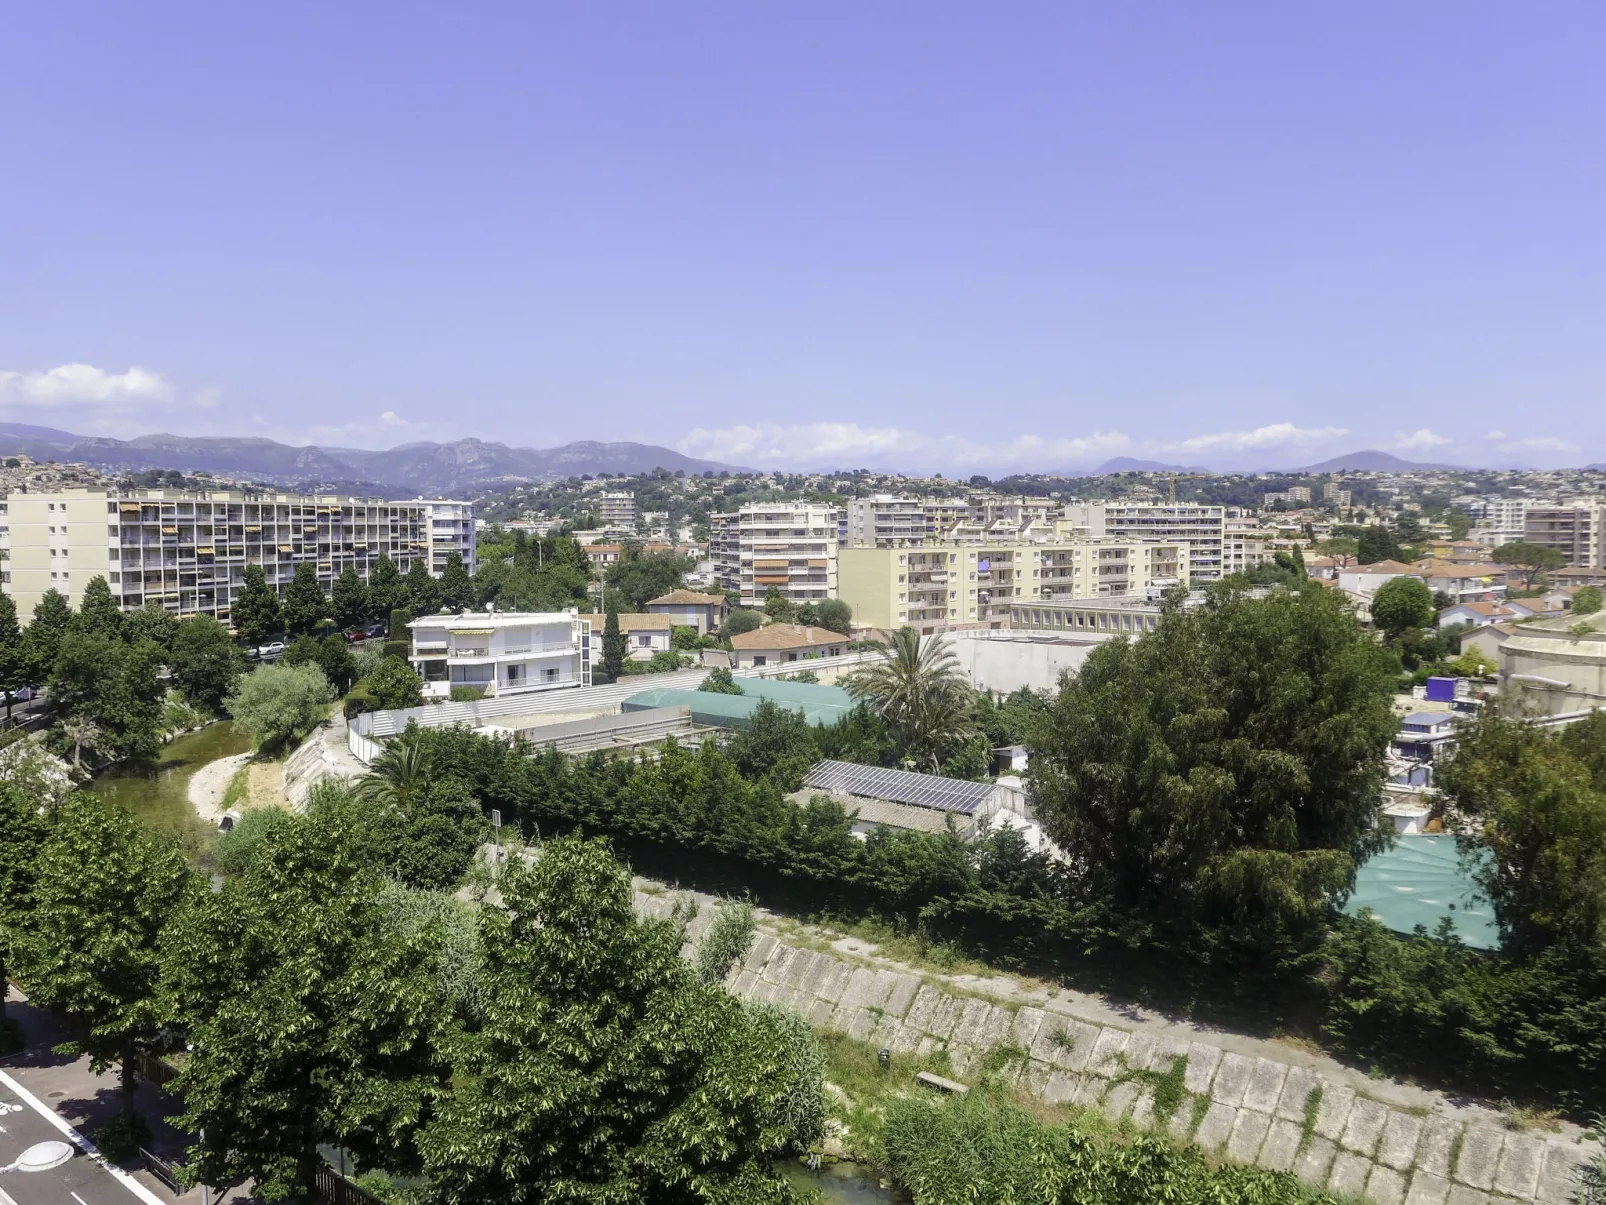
(335, 1189)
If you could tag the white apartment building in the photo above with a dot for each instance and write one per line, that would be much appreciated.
(903, 521)
(617, 510)
(502, 653)
(1107, 617)
(945, 585)
(1337, 495)
(451, 529)
(1245, 545)
(1577, 530)
(189, 549)
(1294, 495)
(1201, 527)
(790, 546)
(1498, 521)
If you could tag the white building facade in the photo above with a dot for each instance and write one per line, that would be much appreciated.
(505, 653)
(1202, 528)
(787, 546)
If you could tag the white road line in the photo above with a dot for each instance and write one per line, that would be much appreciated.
(6, 1198)
(83, 1144)
(78, 1198)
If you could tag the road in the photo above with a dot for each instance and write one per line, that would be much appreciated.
(83, 1180)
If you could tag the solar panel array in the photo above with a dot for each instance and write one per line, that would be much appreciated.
(899, 786)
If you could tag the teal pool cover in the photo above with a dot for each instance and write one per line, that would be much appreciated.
(1420, 880)
(819, 705)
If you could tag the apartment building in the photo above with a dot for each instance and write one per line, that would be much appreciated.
(617, 510)
(1498, 521)
(1337, 495)
(788, 546)
(505, 653)
(1245, 545)
(188, 549)
(452, 529)
(902, 521)
(951, 584)
(1576, 530)
(1294, 495)
(1201, 527)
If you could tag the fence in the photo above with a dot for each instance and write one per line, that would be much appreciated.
(164, 1171)
(335, 1189)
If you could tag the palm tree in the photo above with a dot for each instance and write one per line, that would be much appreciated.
(919, 689)
(398, 774)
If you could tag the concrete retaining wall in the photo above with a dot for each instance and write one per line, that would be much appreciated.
(1275, 1113)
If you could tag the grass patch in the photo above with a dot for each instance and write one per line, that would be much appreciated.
(1313, 1108)
(1529, 1117)
(238, 792)
(1455, 1149)
(865, 1087)
(1167, 1086)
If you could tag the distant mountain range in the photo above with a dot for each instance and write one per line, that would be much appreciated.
(1126, 464)
(1370, 461)
(465, 466)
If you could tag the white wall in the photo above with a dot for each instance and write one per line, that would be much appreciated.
(1004, 664)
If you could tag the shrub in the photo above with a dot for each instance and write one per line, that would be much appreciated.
(726, 941)
(120, 1138)
(237, 846)
(278, 702)
(720, 682)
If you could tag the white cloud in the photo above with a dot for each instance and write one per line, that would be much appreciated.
(385, 430)
(1419, 440)
(1276, 435)
(1540, 443)
(1495, 435)
(848, 445)
(90, 400)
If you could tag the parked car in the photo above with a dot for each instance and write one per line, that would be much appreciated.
(24, 693)
(356, 634)
(272, 649)
(376, 631)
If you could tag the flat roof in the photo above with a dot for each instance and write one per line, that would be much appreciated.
(899, 786)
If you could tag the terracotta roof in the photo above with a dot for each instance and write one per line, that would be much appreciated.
(1389, 567)
(631, 622)
(1459, 569)
(1482, 608)
(687, 598)
(786, 636)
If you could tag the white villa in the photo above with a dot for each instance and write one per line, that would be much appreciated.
(501, 653)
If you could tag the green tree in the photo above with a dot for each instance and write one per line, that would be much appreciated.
(919, 690)
(13, 656)
(778, 744)
(603, 1071)
(114, 686)
(1401, 603)
(98, 612)
(1377, 544)
(1459, 523)
(456, 587)
(385, 589)
(613, 647)
(644, 576)
(423, 591)
(274, 703)
(101, 896)
(1226, 769)
(832, 614)
(305, 606)
(1540, 800)
(395, 685)
(310, 1019)
(41, 640)
(22, 834)
(350, 600)
(778, 607)
(720, 682)
(741, 620)
(206, 663)
(255, 612)
(1529, 559)
(337, 663)
(1587, 601)
(152, 622)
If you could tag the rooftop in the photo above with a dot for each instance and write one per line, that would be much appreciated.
(686, 598)
(632, 621)
(899, 786)
(787, 636)
(483, 620)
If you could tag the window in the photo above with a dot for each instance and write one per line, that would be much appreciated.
(759, 659)
(512, 673)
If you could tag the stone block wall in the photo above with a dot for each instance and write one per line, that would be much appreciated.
(1272, 1112)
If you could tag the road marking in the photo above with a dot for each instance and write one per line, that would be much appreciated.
(6, 1198)
(78, 1140)
(78, 1198)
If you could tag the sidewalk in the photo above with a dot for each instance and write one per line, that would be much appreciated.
(87, 1101)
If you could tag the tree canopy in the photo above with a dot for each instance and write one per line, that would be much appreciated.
(276, 702)
(255, 611)
(1227, 765)
(206, 664)
(350, 599)
(918, 688)
(305, 605)
(1401, 603)
(1531, 559)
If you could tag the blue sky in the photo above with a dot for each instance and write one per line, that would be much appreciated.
(926, 236)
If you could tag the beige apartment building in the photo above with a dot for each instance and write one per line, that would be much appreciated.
(1201, 527)
(617, 510)
(188, 549)
(951, 584)
(1576, 530)
(788, 546)
(901, 521)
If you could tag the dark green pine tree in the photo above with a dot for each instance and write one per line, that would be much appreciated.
(423, 591)
(613, 647)
(255, 612)
(385, 589)
(98, 613)
(351, 600)
(41, 642)
(457, 588)
(13, 657)
(304, 603)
